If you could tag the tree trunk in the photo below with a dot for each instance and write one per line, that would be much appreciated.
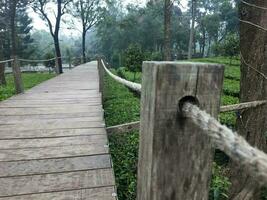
(192, 30)
(252, 123)
(58, 55)
(209, 46)
(16, 68)
(2, 74)
(56, 36)
(83, 45)
(167, 30)
(203, 44)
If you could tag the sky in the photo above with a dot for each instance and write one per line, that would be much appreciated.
(39, 24)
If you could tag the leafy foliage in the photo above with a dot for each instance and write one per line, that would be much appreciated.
(134, 58)
(122, 106)
(50, 63)
(219, 185)
(228, 47)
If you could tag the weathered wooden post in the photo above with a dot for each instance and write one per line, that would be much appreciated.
(70, 59)
(57, 65)
(101, 74)
(17, 75)
(175, 158)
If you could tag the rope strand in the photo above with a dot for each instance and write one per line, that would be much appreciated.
(6, 61)
(230, 142)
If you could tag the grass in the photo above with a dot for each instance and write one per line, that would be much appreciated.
(122, 106)
(29, 80)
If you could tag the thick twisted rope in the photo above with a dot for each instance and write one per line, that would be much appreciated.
(235, 146)
(6, 61)
(137, 87)
(242, 106)
(253, 5)
(27, 60)
(133, 86)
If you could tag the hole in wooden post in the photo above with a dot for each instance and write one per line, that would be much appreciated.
(187, 99)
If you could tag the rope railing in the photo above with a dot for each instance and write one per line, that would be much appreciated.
(229, 108)
(242, 106)
(6, 61)
(134, 86)
(229, 142)
(135, 125)
(220, 136)
(28, 60)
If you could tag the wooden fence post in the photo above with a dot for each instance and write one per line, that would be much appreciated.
(57, 65)
(17, 75)
(175, 158)
(101, 77)
(70, 59)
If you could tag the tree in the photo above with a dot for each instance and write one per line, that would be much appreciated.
(39, 6)
(229, 47)
(134, 59)
(252, 123)
(88, 12)
(2, 38)
(24, 28)
(167, 29)
(192, 30)
(13, 27)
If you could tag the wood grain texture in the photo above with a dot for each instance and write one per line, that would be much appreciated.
(103, 193)
(55, 182)
(53, 142)
(33, 134)
(46, 166)
(175, 159)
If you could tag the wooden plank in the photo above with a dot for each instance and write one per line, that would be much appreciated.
(31, 167)
(52, 152)
(48, 101)
(103, 193)
(55, 182)
(55, 97)
(53, 116)
(50, 125)
(40, 105)
(53, 142)
(23, 120)
(40, 111)
(50, 133)
(175, 158)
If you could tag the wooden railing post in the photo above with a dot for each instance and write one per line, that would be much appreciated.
(175, 158)
(17, 75)
(57, 65)
(101, 74)
(70, 59)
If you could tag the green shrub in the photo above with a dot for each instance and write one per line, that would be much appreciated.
(121, 72)
(122, 106)
(231, 87)
(220, 184)
(134, 58)
(229, 100)
(229, 47)
(50, 63)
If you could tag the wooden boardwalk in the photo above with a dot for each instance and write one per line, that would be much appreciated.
(53, 142)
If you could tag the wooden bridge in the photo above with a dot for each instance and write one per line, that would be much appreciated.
(53, 142)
